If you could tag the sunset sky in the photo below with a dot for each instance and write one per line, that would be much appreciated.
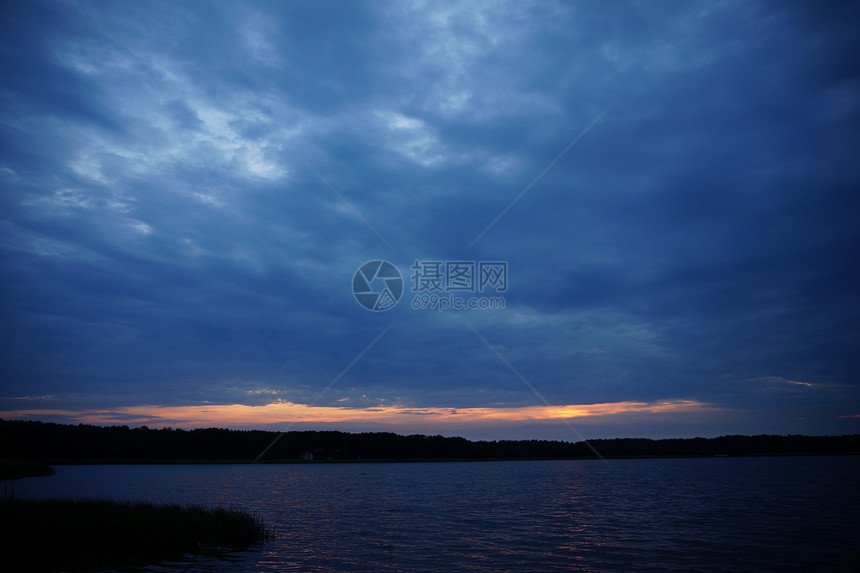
(187, 190)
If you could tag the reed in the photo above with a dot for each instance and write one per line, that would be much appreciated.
(81, 535)
(17, 469)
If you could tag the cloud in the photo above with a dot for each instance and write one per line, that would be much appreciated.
(162, 247)
(288, 413)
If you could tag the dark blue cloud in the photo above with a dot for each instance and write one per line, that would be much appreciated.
(161, 245)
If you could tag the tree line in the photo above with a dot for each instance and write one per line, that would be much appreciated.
(58, 443)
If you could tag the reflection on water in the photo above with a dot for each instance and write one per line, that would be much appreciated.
(723, 514)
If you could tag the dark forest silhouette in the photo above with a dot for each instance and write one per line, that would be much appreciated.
(57, 443)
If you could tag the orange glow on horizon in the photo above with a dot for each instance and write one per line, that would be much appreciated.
(227, 415)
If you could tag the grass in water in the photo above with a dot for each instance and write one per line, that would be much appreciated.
(82, 535)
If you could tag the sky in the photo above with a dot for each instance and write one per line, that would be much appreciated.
(671, 188)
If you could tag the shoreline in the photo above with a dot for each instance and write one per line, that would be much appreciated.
(47, 463)
(50, 443)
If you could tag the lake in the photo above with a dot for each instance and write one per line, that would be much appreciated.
(699, 514)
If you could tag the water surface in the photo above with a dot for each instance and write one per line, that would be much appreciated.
(700, 514)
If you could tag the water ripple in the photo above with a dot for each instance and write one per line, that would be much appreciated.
(719, 515)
